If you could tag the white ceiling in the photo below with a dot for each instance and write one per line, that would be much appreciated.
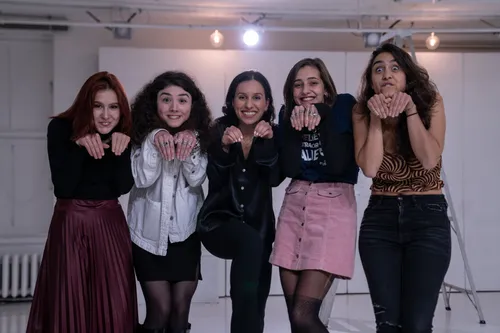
(329, 7)
(297, 14)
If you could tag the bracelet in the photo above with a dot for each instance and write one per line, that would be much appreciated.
(409, 115)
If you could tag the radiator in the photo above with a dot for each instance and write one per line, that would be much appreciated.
(18, 276)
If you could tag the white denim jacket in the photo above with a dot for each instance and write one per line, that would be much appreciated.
(167, 195)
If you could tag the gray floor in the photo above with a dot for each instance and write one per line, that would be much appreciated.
(350, 314)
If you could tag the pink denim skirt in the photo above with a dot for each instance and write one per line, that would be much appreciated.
(317, 228)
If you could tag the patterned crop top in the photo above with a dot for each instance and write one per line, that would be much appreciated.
(397, 175)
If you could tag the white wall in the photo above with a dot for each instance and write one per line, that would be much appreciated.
(213, 69)
(467, 81)
(25, 107)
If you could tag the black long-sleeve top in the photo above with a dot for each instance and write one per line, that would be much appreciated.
(77, 175)
(240, 191)
(335, 161)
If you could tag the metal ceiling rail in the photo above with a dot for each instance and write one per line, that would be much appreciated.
(490, 30)
(247, 9)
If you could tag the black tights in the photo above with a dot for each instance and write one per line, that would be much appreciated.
(168, 304)
(250, 272)
(304, 292)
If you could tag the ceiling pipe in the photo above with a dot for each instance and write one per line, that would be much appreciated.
(240, 10)
(243, 27)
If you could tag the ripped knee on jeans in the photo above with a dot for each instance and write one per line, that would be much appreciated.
(384, 325)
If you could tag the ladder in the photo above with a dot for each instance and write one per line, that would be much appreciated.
(398, 38)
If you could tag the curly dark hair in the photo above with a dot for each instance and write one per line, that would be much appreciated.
(422, 90)
(228, 109)
(145, 109)
(325, 76)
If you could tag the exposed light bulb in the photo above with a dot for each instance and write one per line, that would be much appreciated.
(250, 37)
(216, 39)
(432, 42)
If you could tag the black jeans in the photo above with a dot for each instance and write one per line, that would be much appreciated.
(250, 272)
(405, 249)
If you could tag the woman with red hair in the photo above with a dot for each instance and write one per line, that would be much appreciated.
(86, 281)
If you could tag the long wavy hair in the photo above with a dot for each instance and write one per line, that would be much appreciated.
(145, 109)
(325, 76)
(228, 108)
(81, 114)
(418, 85)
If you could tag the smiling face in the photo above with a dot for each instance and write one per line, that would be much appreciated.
(250, 102)
(387, 76)
(308, 88)
(106, 111)
(174, 106)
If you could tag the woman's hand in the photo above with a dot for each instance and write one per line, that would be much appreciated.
(263, 130)
(305, 117)
(297, 117)
(400, 103)
(165, 143)
(184, 144)
(119, 143)
(311, 117)
(379, 105)
(93, 144)
(231, 135)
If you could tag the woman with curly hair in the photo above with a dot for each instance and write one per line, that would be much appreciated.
(237, 219)
(170, 123)
(405, 240)
(88, 244)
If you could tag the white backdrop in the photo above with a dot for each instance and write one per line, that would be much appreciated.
(468, 160)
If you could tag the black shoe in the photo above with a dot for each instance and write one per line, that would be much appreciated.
(142, 329)
(187, 330)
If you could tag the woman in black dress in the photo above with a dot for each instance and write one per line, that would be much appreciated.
(86, 281)
(170, 134)
(237, 219)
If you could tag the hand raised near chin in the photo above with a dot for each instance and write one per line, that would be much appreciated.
(263, 130)
(93, 144)
(297, 117)
(164, 142)
(400, 103)
(119, 143)
(231, 135)
(379, 105)
(184, 144)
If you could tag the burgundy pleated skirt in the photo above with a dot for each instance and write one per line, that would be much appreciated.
(86, 282)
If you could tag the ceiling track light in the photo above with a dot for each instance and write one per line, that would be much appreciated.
(251, 37)
(216, 39)
(432, 42)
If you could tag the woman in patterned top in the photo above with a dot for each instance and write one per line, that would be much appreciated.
(404, 240)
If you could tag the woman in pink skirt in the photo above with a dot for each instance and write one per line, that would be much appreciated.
(316, 232)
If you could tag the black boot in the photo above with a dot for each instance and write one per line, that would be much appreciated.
(142, 329)
(187, 330)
